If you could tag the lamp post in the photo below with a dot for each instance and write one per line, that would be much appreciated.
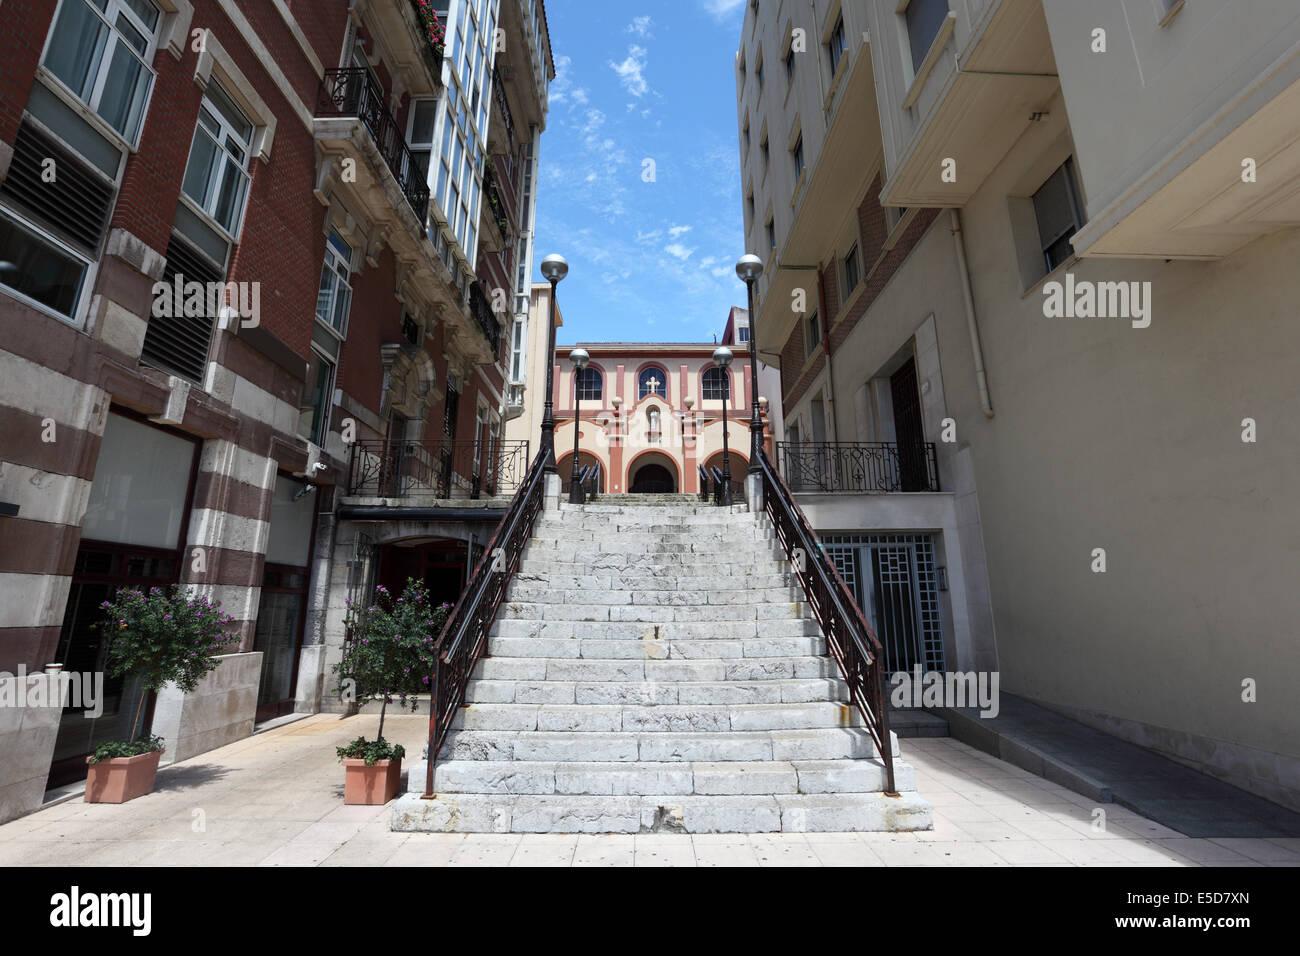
(749, 268)
(722, 359)
(554, 268)
(579, 358)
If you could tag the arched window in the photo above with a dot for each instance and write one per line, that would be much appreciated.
(590, 384)
(717, 384)
(652, 381)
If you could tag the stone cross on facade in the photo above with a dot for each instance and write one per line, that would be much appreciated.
(654, 384)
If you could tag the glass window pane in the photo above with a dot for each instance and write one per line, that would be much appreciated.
(200, 174)
(230, 199)
(342, 302)
(76, 47)
(138, 493)
(143, 9)
(124, 91)
(426, 111)
(38, 269)
(231, 113)
(325, 296)
(130, 34)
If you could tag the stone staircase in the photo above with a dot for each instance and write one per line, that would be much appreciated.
(655, 669)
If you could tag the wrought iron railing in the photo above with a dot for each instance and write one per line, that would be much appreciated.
(849, 638)
(858, 467)
(353, 92)
(496, 205)
(712, 483)
(499, 94)
(436, 469)
(465, 635)
(485, 317)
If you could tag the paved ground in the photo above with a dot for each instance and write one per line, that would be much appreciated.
(277, 799)
(1186, 800)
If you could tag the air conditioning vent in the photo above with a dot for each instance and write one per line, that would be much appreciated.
(179, 344)
(76, 206)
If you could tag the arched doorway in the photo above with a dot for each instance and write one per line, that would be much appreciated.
(651, 479)
(585, 460)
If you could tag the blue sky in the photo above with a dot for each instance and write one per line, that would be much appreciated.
(648, 261)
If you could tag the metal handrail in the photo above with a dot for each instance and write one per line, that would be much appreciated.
(464, 637)
(849, 637)
(859, 467)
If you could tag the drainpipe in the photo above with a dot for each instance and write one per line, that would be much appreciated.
(981, 379)
(826, 347)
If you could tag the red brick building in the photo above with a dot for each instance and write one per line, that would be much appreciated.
(260, 266)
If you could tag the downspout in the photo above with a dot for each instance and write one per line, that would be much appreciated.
(972, 324)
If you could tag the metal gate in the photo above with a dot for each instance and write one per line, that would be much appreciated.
(893, 579)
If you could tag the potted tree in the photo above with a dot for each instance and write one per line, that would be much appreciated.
(389, 656)
(159, 636)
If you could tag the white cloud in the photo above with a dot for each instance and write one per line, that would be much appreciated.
(676, 232)
(562, 89)
(722, 9)
(640, 26)
(631, 72)
(678, 251)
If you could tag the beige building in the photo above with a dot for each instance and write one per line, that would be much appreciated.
(1027, 268)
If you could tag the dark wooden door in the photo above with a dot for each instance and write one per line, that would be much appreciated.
(912, 470)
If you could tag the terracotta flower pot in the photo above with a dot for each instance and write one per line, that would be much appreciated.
(120, 779)
(371, 786)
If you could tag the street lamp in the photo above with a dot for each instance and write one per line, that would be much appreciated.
(554, 268)
(722, 359)
(748, 269)
(579, 358)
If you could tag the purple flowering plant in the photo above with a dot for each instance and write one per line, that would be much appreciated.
(390, 648)
(163, 635)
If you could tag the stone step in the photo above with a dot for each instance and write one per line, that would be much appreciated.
(543, 813)
(675, 597)
(736, 583)
(718, 649)
(662, 672)
(655, 718)
(814, 743)
(670, 533)
(667, 631)
(779, 691)
(740, 562)
(658, 521)
(605, 542)
(636, 779)
(660, 613)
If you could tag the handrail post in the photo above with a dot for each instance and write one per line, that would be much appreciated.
(431, 751)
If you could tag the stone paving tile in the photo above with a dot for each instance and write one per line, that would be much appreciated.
(277, 800)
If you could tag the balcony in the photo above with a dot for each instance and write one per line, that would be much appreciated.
(496, 204)
(485, 317)
(507, 118)
(858, 468)
(353, 94)
(431, 25)
(416, 472)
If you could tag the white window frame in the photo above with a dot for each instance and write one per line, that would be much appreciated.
(91, 104)
(332, 364)
(224, 129)
(333, 261)
(78, 316)
(432, 145)
(833, 58)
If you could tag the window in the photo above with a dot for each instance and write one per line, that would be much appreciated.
(101, 50)
(767, 154)
(216, 177)
(813, 327)
(517, 352)
(746, 135)
(758, 76)
(716, 384)
(590, 384)
(652, 381)
(789, 67)
(797, 154)
(313, 417)
(851, 272)
(835, 46)
(334, 300)
(40, 269)
(419, 134)
(771, 233)
(1056, 209)
(742, 334)
(923, 18)
(749, 207)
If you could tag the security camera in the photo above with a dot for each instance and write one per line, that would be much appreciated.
(319, 466)
(305, 489)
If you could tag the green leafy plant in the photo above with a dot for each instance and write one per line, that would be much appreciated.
(162, 636)
(134, 748)
(390, 650)
(371, 751)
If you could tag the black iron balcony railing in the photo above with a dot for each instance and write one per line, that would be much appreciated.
(499, 94)
(858, 467)
(436, 469)
(497, 206)
(485, 317)
(353, 92)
